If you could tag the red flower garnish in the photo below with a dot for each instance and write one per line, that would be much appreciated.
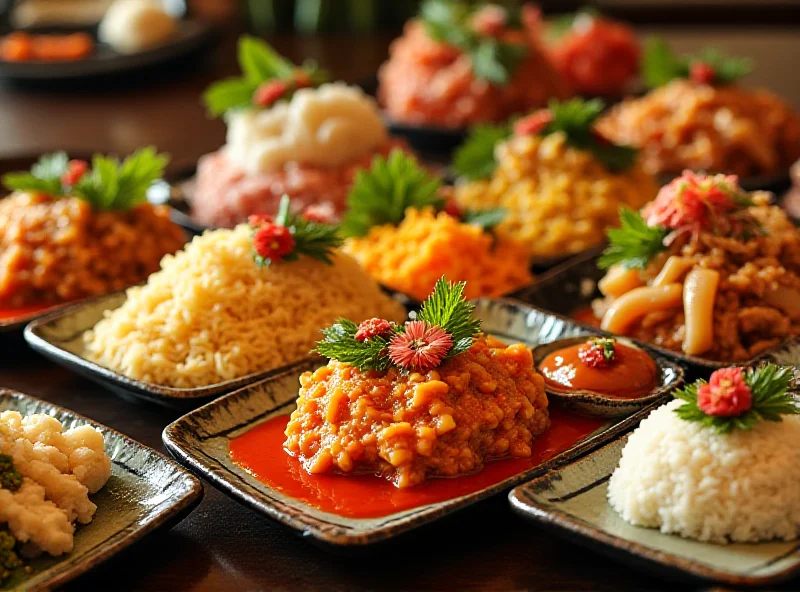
(726, 394)
(692, 200)
(273, 242)
(702, 73)
(269, 92)
(373, 328)
(75, 170)
(421, 347)
(599, 352)
(259, 219)
(533, 123)
(490, 21)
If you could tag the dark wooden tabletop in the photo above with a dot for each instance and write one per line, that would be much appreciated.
(222, 545)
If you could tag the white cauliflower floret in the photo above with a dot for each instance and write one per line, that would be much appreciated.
(32, 518)
(88, 460)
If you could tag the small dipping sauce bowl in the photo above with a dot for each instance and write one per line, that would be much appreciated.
(610, 382)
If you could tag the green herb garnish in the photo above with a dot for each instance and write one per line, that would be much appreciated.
(445, 310)
(10, 478)
(259, 63)
(634, 243)
(449, 21)
(768, 387)
(660, 65)
(475, 159)
(381, 194)
(484, 219)
(108, 185)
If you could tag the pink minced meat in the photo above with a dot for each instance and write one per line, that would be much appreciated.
(225, 195)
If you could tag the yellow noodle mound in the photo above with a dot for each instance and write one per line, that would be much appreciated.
(211, 314)
(559, 200)
(412, 256)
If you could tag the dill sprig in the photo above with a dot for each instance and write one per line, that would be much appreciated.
(382, 193)
(634, 243)
(660, 65)
(771, 400)
(108, 185)
(446, 308)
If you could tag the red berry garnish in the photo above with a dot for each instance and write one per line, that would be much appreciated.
(533, 123)
(75, 170)
(269, 92)
(451, 208)
(302, 79)
(702, 73)
(598, 352)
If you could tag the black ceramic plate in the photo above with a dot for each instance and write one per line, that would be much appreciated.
(200, 440)
(146, 491)
(192, 36)
(572, 286)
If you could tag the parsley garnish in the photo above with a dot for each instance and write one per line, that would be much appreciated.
(474, 159)
(660, 65)
(449, 21)
(381, 194)
(446, 307)
(109, 185)
(634, 243)
(769, 386)
(484, 219)
(259, 63)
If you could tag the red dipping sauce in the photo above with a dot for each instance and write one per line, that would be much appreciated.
(632, 374)
(260, 452)
(22, 311)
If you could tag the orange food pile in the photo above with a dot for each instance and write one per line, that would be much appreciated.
(23, 47)
(412, 256)
(59, 249)
(487, 402)
(427, 82)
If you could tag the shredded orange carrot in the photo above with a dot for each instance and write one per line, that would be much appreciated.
(23, 47)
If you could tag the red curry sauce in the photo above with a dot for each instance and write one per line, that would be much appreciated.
(260, 452)
(632, 374)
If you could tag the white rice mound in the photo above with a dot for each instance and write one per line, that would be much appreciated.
(211, 314)
(687, 479)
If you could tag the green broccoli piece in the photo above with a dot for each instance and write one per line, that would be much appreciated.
(9, 476)
(9, 560)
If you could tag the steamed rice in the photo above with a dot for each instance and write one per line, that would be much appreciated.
(687, 479)
(211, 314)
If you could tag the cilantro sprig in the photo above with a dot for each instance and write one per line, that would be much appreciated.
(474, 159)
(660, 64)
(110, 184)
(634, 243)
(446, 308)
(382, 193)
(771, 400)
(493, 60)
(259, 63)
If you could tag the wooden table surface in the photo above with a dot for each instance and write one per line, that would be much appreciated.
(222, 545)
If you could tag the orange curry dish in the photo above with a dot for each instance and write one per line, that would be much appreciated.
(59, 248)
(486, 403)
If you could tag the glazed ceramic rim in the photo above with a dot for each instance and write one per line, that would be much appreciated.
(177, 508)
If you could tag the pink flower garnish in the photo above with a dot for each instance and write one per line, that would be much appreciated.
(702, 73)
(490, 21)
(421, 348)
(692, 200)
(726, 394)
(533, 123)
(75, 170)
(273, 242)
(320, 213)
(269, 92)
(373, 328)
